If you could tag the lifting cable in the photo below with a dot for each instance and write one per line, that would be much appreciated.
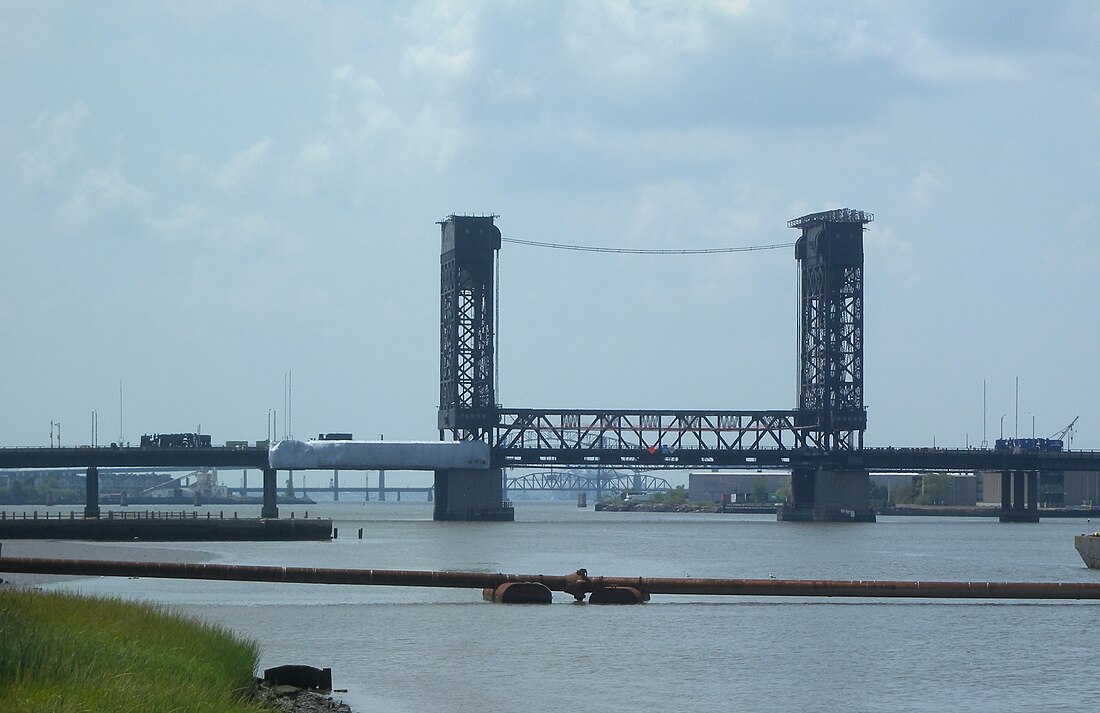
(647, 251)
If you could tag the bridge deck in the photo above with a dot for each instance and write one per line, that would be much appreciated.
(88, 457)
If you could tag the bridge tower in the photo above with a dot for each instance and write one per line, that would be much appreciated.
(467, 389)
(830, 363)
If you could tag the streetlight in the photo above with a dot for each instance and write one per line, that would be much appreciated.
(1003, 424)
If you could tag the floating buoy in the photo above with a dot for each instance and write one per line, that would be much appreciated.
(519, 593)
(617, 595)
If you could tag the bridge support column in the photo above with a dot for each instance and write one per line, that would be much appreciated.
(464, 494)
(270, 508)
(382, 486)
(828, 496)
(335, 486)
(91, 492)
(1019, 496)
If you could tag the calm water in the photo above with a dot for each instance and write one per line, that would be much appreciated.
(439, 650)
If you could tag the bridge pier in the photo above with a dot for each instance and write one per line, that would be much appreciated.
(270, 509)
(468, 494)
(828, 496)
(91, 492)
(1019, 496)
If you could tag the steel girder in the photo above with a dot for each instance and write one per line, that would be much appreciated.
(467, 392)
(649, 438)
(830, 326)
(571, 481)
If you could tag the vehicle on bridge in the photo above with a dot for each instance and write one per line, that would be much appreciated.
(175, 440)
(1017, 445)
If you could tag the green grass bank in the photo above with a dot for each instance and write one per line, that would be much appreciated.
(65, 652)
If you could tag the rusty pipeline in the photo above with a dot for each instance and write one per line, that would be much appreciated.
(578, 583)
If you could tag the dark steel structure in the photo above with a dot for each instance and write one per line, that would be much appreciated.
(467, 327)
(830, 326)
(467, 376)
(572, 481)
(830, 362)
(820, 441)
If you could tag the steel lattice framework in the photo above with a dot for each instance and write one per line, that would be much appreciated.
(572, 481)
(830, 414)
(467, 393)
(649, 438)
(830, 326)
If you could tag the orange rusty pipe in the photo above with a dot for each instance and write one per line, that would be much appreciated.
(578, 584)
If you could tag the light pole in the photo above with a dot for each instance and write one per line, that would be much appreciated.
(1003, 424)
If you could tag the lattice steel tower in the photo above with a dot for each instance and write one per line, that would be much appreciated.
(830, 326)
(467, 393)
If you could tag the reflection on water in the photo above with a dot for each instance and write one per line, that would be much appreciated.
(399, 649)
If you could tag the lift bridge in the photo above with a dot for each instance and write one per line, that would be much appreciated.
(820, 441)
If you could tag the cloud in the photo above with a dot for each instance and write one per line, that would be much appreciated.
(242, 166)
(369, 137)
(255, 232)
(445, 39)
(923, 186)
(621, 40)
(57, 144)
(182, 220)
(104, 195)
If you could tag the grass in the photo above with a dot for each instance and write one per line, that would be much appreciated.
(64, 652)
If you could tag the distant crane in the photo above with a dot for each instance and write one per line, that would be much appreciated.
(1066, 434)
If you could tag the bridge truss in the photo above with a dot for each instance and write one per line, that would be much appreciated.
(640, 439)
(584, 481)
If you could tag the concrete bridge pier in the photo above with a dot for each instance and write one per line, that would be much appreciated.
(1019, 496)
(828, 496)
(91, 492)
(470, 494)
(270, 509)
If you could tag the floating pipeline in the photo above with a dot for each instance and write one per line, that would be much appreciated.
(579, 583)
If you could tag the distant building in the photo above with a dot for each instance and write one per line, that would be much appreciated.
(964, 486)
(711, 486)
(1074, 488)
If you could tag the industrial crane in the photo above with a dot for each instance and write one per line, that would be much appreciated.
(1066, 434)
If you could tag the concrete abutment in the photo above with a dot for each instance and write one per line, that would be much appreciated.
(828, 496)
(471, 494)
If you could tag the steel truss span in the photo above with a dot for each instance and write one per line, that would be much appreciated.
(650, 438)
(570, 481)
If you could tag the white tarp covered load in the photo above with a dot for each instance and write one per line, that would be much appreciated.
(378, 455)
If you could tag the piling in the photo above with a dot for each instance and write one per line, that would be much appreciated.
(360, 533)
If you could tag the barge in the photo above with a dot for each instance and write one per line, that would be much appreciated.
(1088, 546)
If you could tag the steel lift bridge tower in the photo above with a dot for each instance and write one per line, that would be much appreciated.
(830, 363)
(829, 421)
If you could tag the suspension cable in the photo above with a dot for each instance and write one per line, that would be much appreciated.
(647, 251)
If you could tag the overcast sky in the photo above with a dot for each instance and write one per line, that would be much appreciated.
(199, 197)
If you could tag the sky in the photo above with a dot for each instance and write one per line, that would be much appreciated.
(200, 199)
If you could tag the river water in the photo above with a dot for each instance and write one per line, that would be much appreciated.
(431, 651)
